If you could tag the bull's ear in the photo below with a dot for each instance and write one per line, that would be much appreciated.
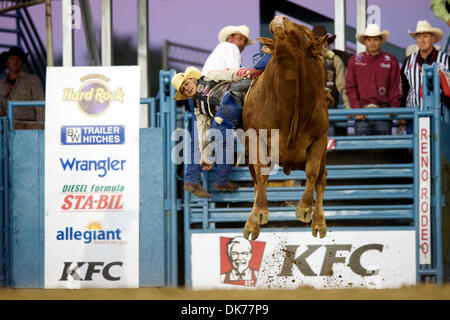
(319, 44)
(264, 40)
(268, 44)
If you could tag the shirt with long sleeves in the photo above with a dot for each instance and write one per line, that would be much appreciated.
(27, 87)
(412, 74)
(226, 55)
(373, 80)
(203, 120)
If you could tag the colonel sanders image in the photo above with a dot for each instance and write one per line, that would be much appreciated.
(239, 252)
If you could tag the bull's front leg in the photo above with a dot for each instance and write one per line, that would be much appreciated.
(314, 156)
(260, 211)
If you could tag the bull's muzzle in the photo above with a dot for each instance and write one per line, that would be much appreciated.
(277, 25)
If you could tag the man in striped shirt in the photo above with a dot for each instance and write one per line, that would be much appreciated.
(411, 71)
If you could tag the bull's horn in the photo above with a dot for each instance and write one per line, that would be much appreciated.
(326, 53)
(219, 120)
(266, 49)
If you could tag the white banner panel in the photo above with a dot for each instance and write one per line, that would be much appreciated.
(424, 191)
(284, 260)
(92, 177)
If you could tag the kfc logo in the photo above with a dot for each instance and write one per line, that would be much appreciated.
(240, 260)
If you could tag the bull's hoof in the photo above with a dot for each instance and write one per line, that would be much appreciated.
(321, 228)
(251, 228)
(303, 214)
(259, 215)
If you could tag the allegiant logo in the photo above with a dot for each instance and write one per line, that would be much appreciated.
(103, 166)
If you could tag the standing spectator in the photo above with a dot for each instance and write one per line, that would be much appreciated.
(441, 9)
(334, 75)
(373, 81)
(425, 36)
(18, 85)
(226, 55)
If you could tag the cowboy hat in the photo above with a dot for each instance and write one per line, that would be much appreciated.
(373, 30)
(320, 31)
(229, 30)
(423, 26)
(179, 78)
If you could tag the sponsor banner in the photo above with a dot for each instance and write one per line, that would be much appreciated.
(287, 260)
(77, 135)
(424, 191)
(92, 177)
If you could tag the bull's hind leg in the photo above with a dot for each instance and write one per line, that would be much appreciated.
(260, 211)
(318, 220)
(312, 169)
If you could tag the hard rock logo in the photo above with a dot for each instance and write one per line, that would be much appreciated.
(94, 96)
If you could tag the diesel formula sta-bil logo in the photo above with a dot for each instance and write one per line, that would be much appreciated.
(94, 96)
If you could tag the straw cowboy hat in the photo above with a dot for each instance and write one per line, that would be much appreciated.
(179, 78)
(229, 30)
(373, 30)
(423, 26)
(320, 31)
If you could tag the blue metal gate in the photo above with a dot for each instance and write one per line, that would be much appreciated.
(4, 253)
(362, 185)
(22, 214)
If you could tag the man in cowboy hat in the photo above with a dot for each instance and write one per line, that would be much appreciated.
(22, 86)
(373, 81)
(227, 54)
(426, 36)
(334, 75)
(218, 105)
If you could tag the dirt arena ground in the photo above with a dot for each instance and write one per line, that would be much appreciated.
(421, 292)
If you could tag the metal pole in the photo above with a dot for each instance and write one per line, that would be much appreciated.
(89, 33)
(361, 19)
(339, 24)
(437, 176)
(107, 52)
(48, 21)
(165, 56)
(67, 33)
(142, 54)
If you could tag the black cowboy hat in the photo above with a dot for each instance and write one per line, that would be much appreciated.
(13, 51)
(320, 31)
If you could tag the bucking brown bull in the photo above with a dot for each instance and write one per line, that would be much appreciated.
(290, 96)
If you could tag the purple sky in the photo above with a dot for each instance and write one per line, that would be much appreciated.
(197, 22)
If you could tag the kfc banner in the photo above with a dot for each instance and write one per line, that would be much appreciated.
(92, 177)
(287, 260)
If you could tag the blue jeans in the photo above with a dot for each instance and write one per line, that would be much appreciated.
(373, 127)
(409, 126)
(193, 169)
